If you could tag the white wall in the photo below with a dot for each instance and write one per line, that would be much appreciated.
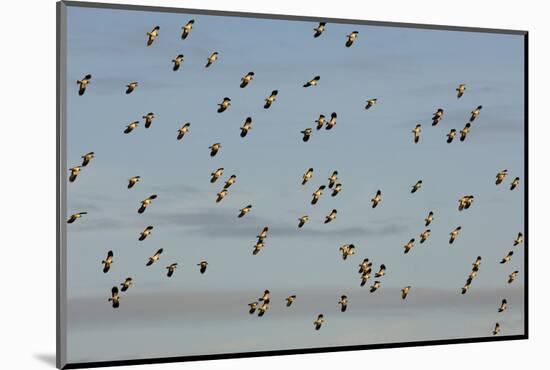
(27, 155)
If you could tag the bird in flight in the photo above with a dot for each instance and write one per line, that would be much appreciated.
(178, 60)
(290, 300)
(307, 134)
(416, 186)
(507, 258)
(320, 121)
(319, 29)
(519, 239)
(302, 221)
(374, 287)
(424, 235)
(405, 292)
(416, 133)
(270, 99)
(381, 271)
(131, 87)
(171, 269)
(371, 103)
(377, 198)
(214, 148)
(409, 246)
(347, 250)
(501, 176)
(145, 233)
(496, 330)
(244, 211)
(438, 115)
(221, 195)
(75, 217)
(337, 188)
(252, 307)
(183, 130)
(131, 126)
(216, 175)
(74, 173)
(307, 176)
(331, 216)
(126, 284)
(465, 131)
(343, 302)
(317, 194)
(146, 202)
(224, 105)
(514, 183)
(247, 126)
(115, 298)
(203, 265)
(107, 262)
(454, 234)
(429, 218)
(512, 277)
(83, 84)
(475, 113)
(319, 321)
(152, 36)
(313, 82)
(211, 59)
(451, 135)
(245, 80)
(133, 180)
(503, 306)
(332, 122)
(230, 181)
(185, 30)
(154, 258)
(351, 38)
(460, 90)
(148, 119)
(332, 179)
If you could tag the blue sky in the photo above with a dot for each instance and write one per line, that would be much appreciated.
(412, 72)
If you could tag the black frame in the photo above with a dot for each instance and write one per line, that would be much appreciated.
(61, 194)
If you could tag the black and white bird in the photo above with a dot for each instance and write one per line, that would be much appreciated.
(460, 90)
(475, 113)
(371, 103)
(83, 84)
(319, 322)
(211, 59)
(313, 82)
(270, 99)
(115, 298)
(186, 29)
(148, 119)
(145, 233)
(319, 29)
(107, 262)
(247, 126)
(246, 79)
(154, 258)
(437, 116)
(152, 36)
(76, 216)
(454, 234)
(416, 133)
(146, 202)
(351, 38)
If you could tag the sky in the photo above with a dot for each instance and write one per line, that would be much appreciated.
(412, 73)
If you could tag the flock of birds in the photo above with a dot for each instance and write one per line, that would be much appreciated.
(261, 305)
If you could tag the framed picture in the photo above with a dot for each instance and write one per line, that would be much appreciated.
(234, 184)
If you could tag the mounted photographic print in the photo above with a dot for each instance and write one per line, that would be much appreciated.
(234, 184)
